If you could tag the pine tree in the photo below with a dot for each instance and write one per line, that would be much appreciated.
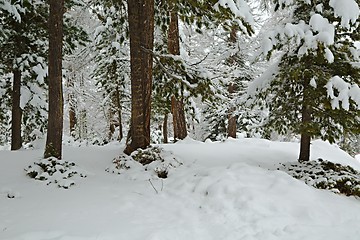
(23, 50)
(177, 79)
(112, 71)
(314, 92)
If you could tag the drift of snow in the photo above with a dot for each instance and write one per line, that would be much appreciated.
(224, 190)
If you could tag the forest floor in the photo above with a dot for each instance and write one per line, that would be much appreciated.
(228, 190)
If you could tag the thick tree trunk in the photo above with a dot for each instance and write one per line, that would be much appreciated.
(177, 109)
(231, 117)
(16, 141)
(53, 146)
(165, 128)
(177, 105)
(141, 28)
(305, 120)
(173, 34)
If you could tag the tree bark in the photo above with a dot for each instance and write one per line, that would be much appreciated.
(111, 114)
(232, 119)
(165, 128)
(16, 114)
(305, 120)
(177, 105)
(177, 109)
(118, 106)
(72, 107)
(141, 28)
(53, 147)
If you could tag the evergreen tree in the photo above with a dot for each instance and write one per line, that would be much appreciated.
(23, 52)
(112, 71)
(177, 78)
(315, 90)
(25, 47)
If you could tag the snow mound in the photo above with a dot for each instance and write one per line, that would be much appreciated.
(148, 163)
(54, 171)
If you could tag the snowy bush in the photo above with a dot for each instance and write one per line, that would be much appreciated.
(153, 159)
(326, 175)
(54, 171)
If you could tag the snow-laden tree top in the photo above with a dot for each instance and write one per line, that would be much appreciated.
(305, 36)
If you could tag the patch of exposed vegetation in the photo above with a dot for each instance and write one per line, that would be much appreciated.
(326, 175)
(54, 171)
(152, 159)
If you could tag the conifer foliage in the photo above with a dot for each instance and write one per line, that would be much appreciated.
(315, 91)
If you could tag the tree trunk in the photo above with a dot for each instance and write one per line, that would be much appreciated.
(82, 119)
(233, 33)
(141, 28)
(231, 117)
(111, 114)
(72, 107)
(177, 105)
(177, 109)
(165, 128)
(305, 138)
(305, 120)
(16, 114)
(232, 120)
(53, 147)
(118, 106)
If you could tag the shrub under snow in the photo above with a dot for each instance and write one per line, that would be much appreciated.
(54, 171)
(326, 175)
(153, 160)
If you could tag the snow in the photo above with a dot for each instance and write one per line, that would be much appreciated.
(25, 96)
(223, 190)
(262, 82)
(347, 10)
(239, 8)
(329, 55)
(313, 83)
(345, 90)
(14, 10)
(306, 36)
(326, 31)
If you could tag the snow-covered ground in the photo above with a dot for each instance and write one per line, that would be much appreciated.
(223, 191)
